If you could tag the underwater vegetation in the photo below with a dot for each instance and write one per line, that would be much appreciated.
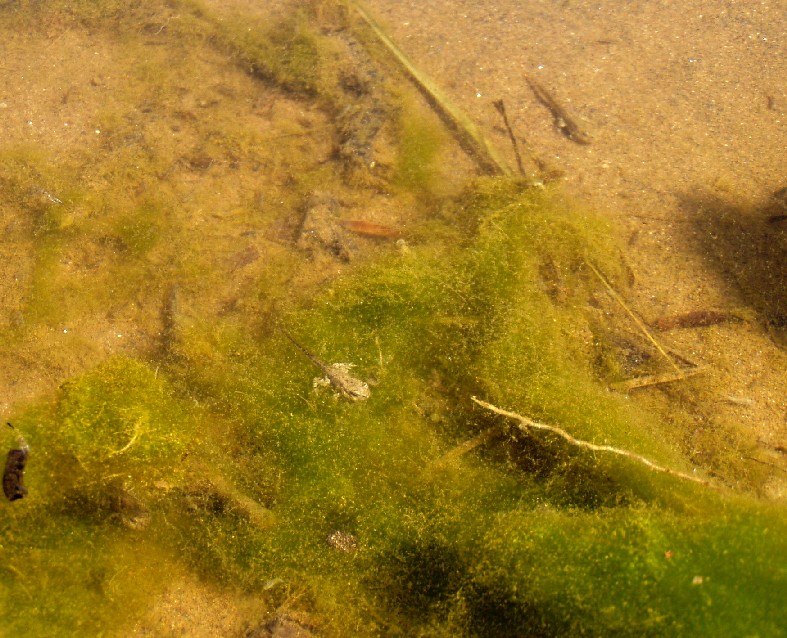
(213, 450)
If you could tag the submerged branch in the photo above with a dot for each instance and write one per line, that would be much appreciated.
(469, 133)
(526, 423)
(468, 446)
(635, 318)
(657, 379)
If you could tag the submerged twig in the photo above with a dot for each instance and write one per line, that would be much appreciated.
(501, 108)
(773, 465)
(258, 514)
(379, 352)
(468, 446)
(657, 379)
(470, 134)
(696, 319)
(131, 441)
(526, 423)
(170, 310)
(635, 318)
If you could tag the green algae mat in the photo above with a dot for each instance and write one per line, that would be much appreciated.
(251, 285)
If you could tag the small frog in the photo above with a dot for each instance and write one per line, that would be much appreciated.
(338, 374)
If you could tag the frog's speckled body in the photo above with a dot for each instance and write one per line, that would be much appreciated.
(338, 374)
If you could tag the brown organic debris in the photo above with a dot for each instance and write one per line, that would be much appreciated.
(370, 229)
(695, 319)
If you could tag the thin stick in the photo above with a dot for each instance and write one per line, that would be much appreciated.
(258, 514)
(379, 351)
(471, 444)
(634, 317)
(501, 108)
(131, 442)
(470, 133)
(656, 379)
(528, 423)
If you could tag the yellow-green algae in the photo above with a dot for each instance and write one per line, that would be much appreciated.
(215, 454)
(527, 532)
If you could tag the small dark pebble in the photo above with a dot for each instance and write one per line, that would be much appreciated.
(13, 476)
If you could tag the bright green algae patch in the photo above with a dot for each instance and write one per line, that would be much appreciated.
(69, 564)
(524, 532)
(214, 454)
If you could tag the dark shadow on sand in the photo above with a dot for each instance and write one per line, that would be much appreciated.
(748, 244)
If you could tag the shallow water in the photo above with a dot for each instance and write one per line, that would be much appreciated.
(182, 184)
